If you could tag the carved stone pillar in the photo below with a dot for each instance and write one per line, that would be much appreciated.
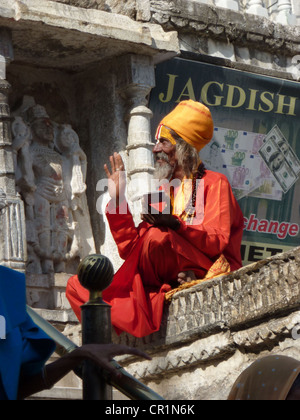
(12, 219)
(285, 15)
(256, 7)
(135, 83)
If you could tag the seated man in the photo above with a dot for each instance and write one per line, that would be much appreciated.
(168, 248)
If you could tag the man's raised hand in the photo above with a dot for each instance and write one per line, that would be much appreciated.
(116, 177)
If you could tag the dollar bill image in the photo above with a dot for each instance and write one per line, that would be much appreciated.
(286, 177)
(280, 159)
(283, 145)
(293, 160)
(268, 150)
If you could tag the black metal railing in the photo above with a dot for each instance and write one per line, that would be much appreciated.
(126, 384)
(94, 273)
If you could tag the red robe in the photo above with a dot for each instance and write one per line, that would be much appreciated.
(155, 255)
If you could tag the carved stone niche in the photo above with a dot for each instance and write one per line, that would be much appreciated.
(50, 170)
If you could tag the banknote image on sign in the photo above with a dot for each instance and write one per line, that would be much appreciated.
(236, 154)
(280, 159)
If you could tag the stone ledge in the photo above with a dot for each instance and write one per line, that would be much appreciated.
(46, 31)
(222, 346)
(189, 16)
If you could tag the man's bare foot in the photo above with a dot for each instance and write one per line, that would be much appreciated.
(186, 277)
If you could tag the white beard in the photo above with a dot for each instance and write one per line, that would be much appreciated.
(163, 170)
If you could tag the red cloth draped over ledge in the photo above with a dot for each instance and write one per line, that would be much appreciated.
(155, 255)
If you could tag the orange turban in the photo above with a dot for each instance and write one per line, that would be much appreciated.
(192, 121)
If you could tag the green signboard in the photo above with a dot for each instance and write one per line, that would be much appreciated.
(257, 125)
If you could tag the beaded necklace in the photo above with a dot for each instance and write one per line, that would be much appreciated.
(190, 211)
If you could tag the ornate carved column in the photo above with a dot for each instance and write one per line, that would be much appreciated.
(12, 219)
(285, 15)
(256, 7)
(135, 83)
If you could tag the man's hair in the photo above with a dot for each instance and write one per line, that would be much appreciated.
(187, 155)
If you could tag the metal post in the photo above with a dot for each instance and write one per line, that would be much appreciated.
(95, 273)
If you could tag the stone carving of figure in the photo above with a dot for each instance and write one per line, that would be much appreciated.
(74, 169)
(51, 174)
(47, 213)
